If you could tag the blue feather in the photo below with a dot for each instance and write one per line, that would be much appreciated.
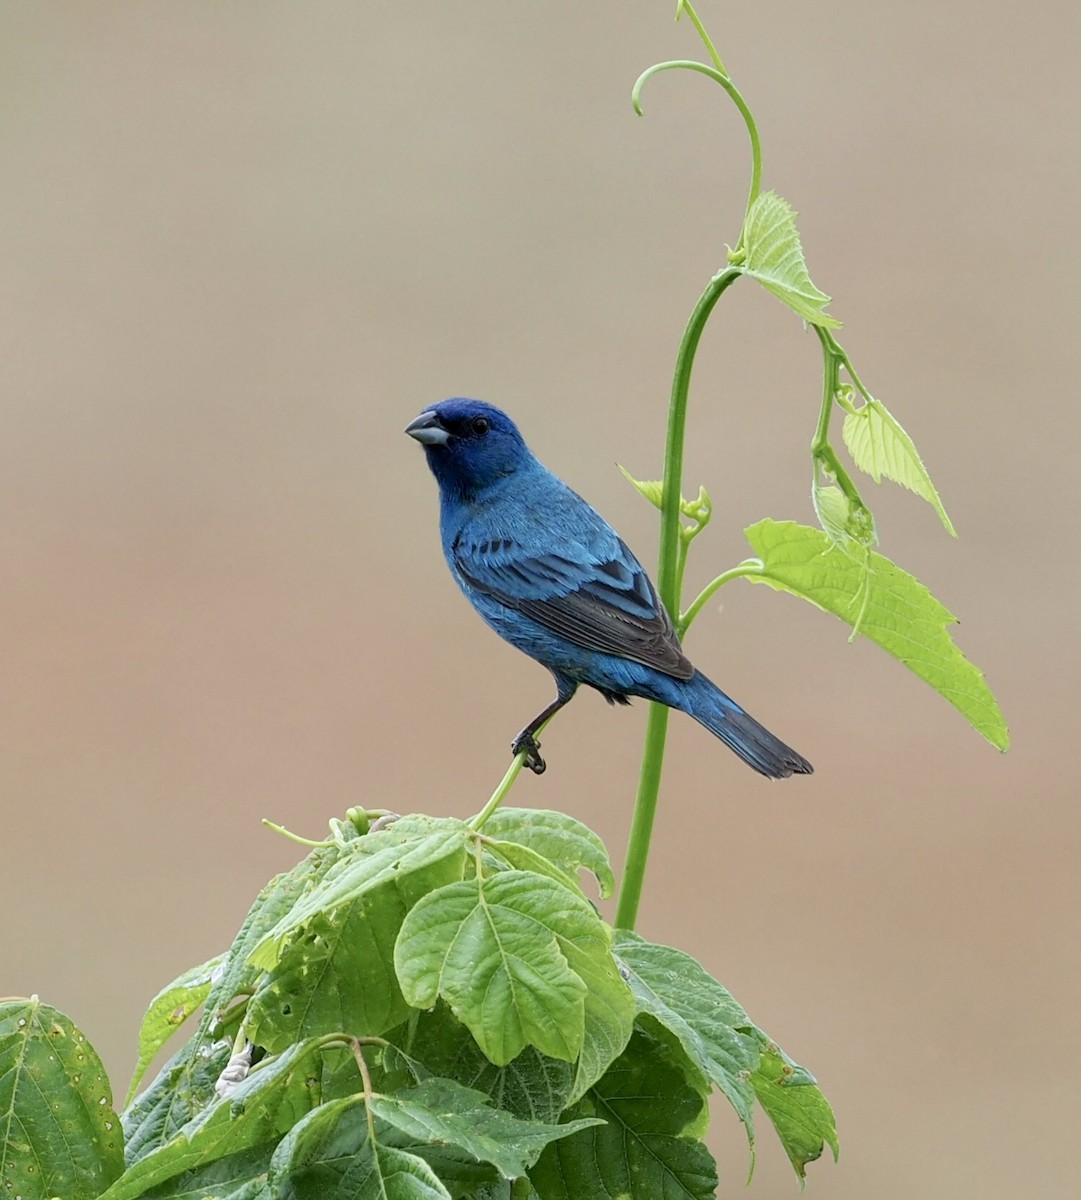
(553, 578)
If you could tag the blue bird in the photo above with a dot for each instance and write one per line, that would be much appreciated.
(553, 578)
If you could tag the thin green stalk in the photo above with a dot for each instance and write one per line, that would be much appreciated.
(668, 581)
(822, 451)
(504, 786)
(645, 810)
(687, 64)
(750, 566)
(684, 7)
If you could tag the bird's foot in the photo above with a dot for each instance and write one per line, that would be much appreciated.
(525, 743)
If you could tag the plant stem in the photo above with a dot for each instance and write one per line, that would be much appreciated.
(668, 585)
(750, 566)
(504, 786)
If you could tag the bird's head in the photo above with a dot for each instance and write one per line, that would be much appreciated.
(469, 445)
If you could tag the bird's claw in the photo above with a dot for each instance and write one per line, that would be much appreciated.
(526, 743)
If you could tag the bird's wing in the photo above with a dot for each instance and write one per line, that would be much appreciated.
(591, 590)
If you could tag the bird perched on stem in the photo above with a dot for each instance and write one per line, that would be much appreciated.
(553, 578)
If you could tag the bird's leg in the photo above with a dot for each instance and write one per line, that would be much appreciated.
(527, 740)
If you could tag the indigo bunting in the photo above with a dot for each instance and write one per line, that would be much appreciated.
(553, 578)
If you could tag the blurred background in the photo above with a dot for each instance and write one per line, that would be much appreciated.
(245, 243)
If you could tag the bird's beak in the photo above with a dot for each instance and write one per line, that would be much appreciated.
(428, 430)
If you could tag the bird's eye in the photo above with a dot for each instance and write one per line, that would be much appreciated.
(480, 425)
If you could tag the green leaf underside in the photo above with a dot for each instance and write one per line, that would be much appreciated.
(240, 1176)
(532, 1086)
(831, 508)
(561, 839)
(881, 448)
(329, 1155)
(894, 610)
(169, 1009)
(643, 1151)
(512, 955)
(59, 1135)
(800, 1113)
(415, 854)
(774, 256)
(674, 989)
(442, 1111)
(276, 1094)
(185, 1085)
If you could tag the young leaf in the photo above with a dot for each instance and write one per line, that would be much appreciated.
(643, 1151)
(800, 1113)
(675, 990)
(892, 608)
(415, 853)
(491, 948)
(880, 447)
(773, 255)
(440, 1111)
(652, 489)
(567, 843)
(835, 515)
(169, 1009)
(59, 1135)
(330, 1155)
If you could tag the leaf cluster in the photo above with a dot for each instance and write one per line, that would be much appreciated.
(418, 1009)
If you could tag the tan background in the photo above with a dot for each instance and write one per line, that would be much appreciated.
(245, 243)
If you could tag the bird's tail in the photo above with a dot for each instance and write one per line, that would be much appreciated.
(753, 742)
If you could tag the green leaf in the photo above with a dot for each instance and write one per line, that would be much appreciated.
(841, 520)
(169, 1009)
(181, 1090)
(415, 854)
(800, 1113)
(675, 990)
(652, 489)
(491, 949)
(881, 448)
(561, 839)
(330, 1155)
(277, 898)
(59, 1135)
(643, 1151)
(338, 976)
(440, 1111)
(774, 256)
(240, 1176)
(532, 1086)
(262, 1107)
(890, 606)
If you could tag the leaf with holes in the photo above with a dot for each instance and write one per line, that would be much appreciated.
(416, 854)
(801, 1115)
(169, 1009)
(59, 1135)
